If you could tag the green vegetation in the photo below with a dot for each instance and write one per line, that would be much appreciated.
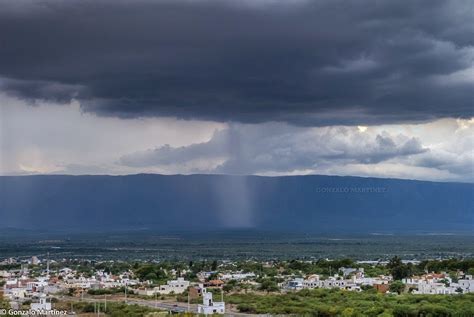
(466, 265)
(343, 303)
(4, 304)
(104, 291)
(398, 270)
(269, 285)
(263, 294)
(397, 287)
(114, 309)
(151, 272)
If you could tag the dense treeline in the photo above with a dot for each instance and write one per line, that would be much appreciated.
(396, 267)
(466, 265)
(400, 270)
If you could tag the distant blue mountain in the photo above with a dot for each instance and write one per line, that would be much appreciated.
(310, 204)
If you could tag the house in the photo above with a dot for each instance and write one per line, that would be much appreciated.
(352, 287)
(333, 282)
(202, 276)
(434, 283)
(312, 281)
(177, 286)
(429, 287)
(382, 288)
(236, 276)
(295, 284)
(42, 304)
(146, 292)
(467, 284)
(214, 283)
(346, 271)
(195, 291)
(209, 307)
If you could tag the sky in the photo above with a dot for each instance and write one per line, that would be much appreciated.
(265, 87)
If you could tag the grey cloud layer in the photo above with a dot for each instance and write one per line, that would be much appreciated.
(251, 149)
(303, 62)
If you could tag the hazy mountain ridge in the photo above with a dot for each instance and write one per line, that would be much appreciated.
(210, 202)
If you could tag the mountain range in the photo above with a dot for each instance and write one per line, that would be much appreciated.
(313, 204)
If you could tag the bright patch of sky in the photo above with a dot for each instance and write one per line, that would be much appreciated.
(47, 138)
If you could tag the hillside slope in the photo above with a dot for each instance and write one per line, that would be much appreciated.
(209, 202)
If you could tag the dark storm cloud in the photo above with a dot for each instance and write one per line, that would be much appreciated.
(304, 62)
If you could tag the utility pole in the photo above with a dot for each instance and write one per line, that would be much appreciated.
(125, 292)
(189, 306)
(156, 299)
(105, 303)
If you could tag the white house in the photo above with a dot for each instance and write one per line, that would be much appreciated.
(209, 307)
(346, 271)
(236, 276)
(467, 285)
(425, 287)
(147, 292)
(295, 284)
(42, 304)
(177, 286)
(312, 281)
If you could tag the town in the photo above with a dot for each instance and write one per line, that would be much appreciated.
(75, 286)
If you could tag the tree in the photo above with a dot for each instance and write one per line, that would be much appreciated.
(150, 272)
(397, 287)
(151, 277)
(269, 286)
(454, 277)
(227, 288)
(367, 288)
(445, 282)
(398, 270)
(394, 262)
(245, 287)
